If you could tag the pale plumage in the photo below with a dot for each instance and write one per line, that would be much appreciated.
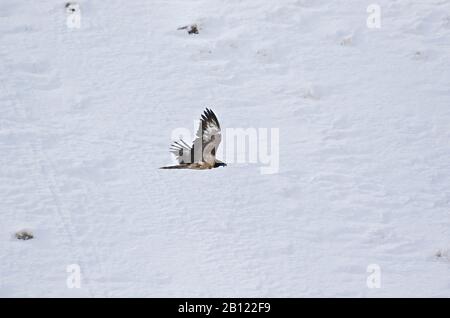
(202, 154)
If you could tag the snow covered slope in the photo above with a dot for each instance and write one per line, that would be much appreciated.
(87, 114)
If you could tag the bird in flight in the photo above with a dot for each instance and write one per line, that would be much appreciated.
(202, 154)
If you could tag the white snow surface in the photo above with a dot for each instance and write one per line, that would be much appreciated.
(86, 117)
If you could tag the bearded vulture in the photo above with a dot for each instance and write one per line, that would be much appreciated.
(202, 154)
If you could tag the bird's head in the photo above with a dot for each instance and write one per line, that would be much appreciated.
(220, 164)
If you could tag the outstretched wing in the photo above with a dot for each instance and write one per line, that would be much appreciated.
(206, 142)
(208, 137)
(183, 153)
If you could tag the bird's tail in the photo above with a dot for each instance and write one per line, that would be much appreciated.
(180, 166)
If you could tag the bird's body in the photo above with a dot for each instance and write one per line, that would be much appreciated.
(195, 166)
(202, 154)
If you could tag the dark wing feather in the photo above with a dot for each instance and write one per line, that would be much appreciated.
(208, 136)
